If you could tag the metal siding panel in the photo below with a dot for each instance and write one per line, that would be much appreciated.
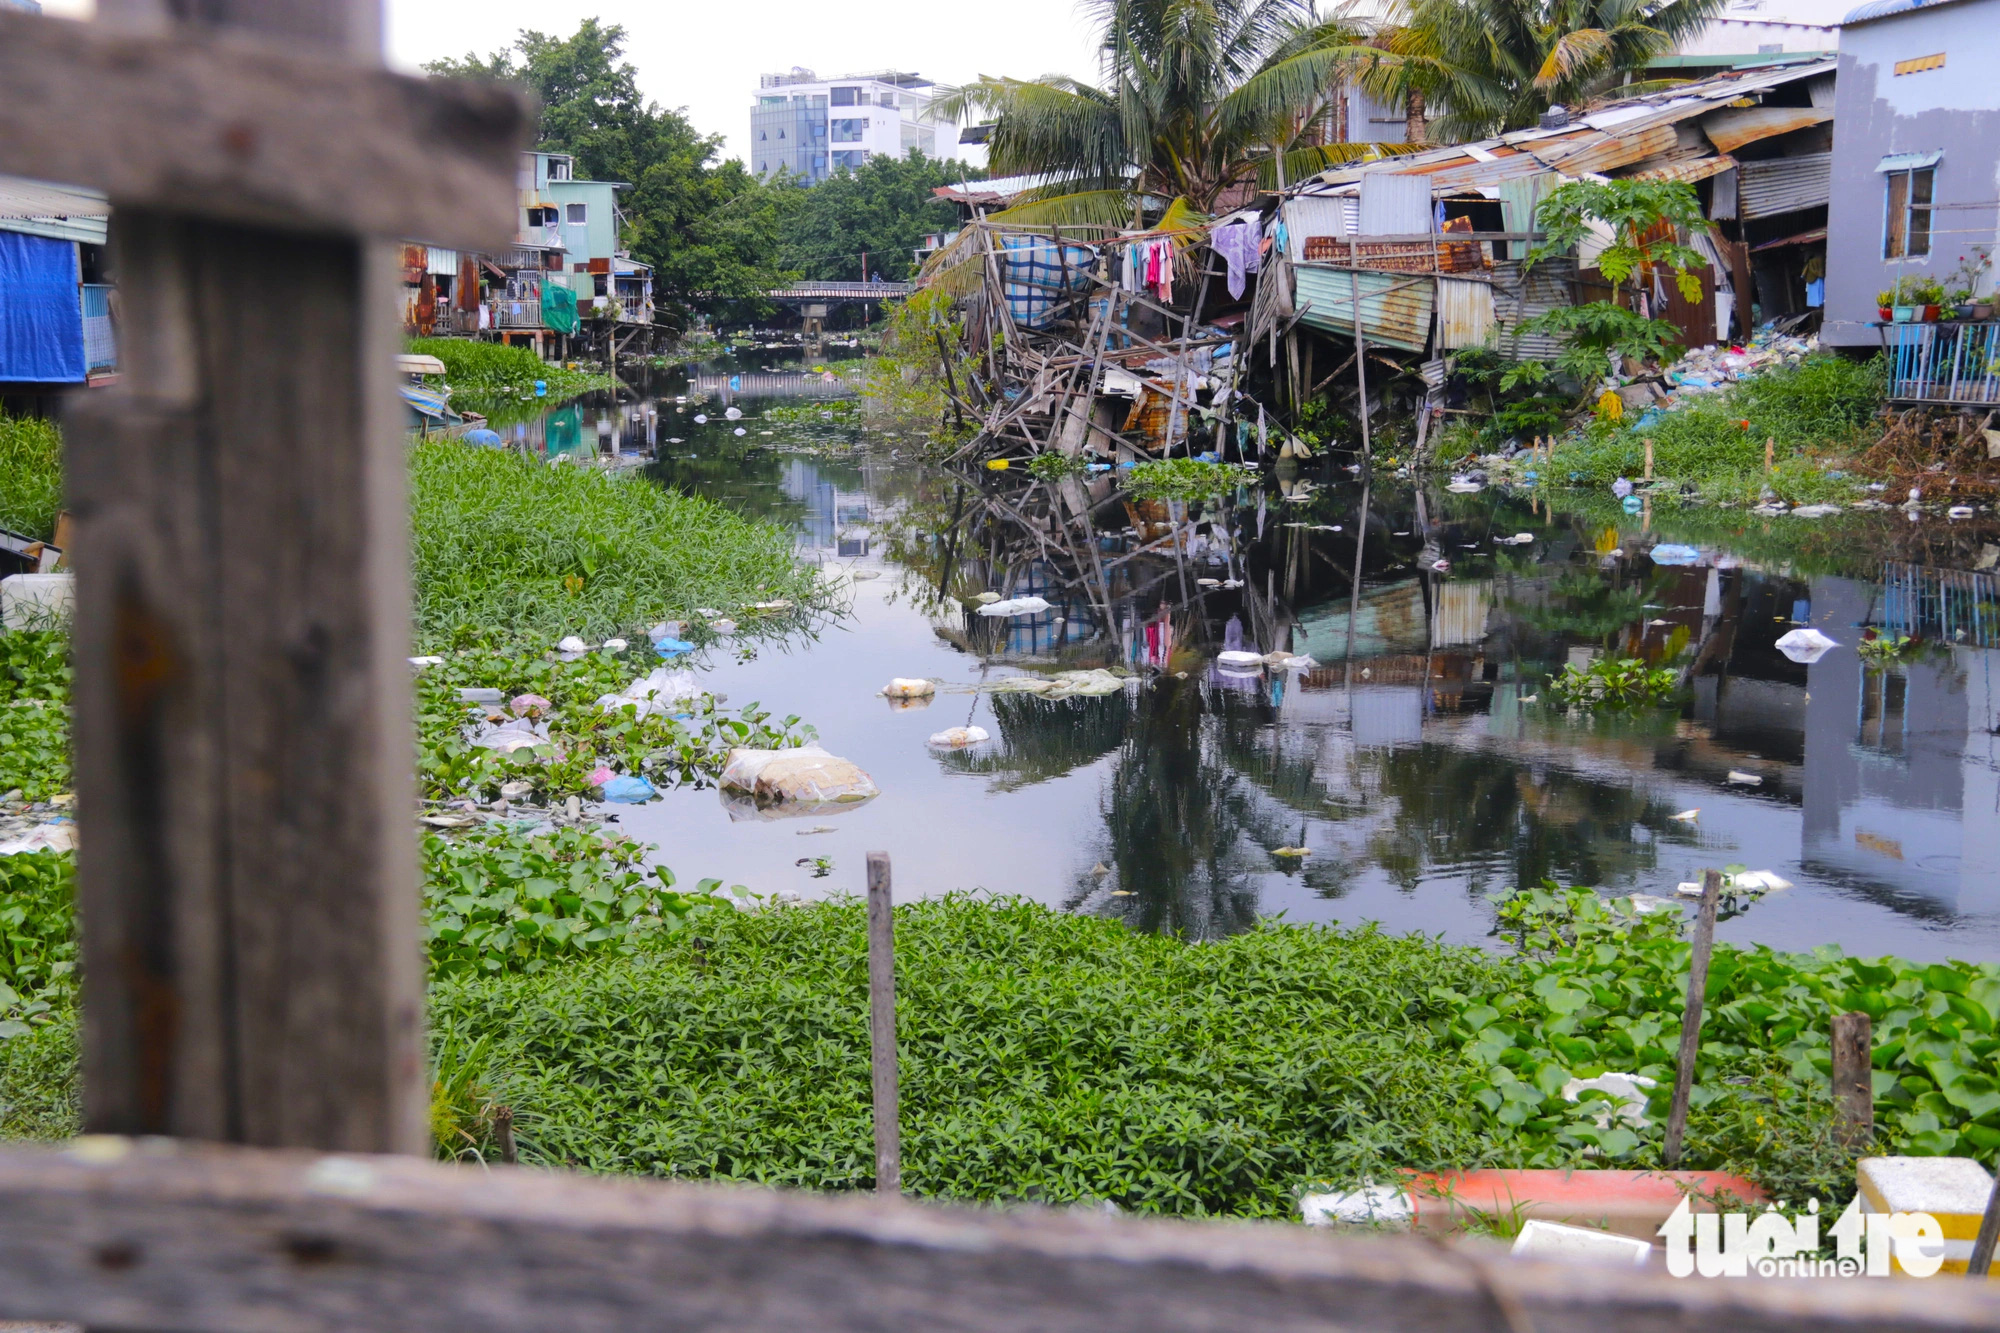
(1393, 205)
(1465, 312)
(1316, 215)
(1784, 184)
(1517, 298)
(1395, 310)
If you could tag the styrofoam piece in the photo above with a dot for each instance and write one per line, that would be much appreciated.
(1806, 646)
(1954, 1190)
(1376, 1205)
(1553, 1240)
(1628, 1090)
(31, 601)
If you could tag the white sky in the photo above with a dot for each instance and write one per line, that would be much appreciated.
(705, 55)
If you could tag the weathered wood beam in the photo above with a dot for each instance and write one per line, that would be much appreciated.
(139, 1234)
(247, 129)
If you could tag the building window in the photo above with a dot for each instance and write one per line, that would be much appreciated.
(848, 131)
(1907, 205)
(849, 159)
(781, 134)
(885, 99)
(847, 97)
(578, 213)
(763, 135)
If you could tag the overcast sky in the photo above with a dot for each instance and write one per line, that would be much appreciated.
(705, 55)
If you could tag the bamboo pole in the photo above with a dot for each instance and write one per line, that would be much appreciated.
(882, 1026)
(1704, 943)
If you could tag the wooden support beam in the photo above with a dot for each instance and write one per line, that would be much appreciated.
(249, 128)
(155, 1235)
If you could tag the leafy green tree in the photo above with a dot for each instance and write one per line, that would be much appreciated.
(882, 210)
(708, 227)
(1198, 98)
(1639, 224)
(1496, 65)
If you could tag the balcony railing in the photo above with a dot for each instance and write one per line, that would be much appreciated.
(100, 344)
(517, 314)
(1943, 363)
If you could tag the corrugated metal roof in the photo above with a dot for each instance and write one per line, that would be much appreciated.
(1881, 9)
(1612, 151)
(1688, 170)
(1784, 184)
(1730, 130)
(60, 212)
(1395, 310)
(1465, 312)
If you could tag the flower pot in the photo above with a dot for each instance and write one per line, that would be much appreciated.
(1930, 314)
(1888, 313)
(1982, 310)
(1963, 310)
(1905, 314)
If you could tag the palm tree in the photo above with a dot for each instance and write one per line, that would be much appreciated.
(1199, 97)
(1496, 65)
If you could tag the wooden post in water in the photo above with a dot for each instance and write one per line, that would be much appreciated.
(1649, 460)
(882, 1025)
(1770, 453)
(1704, 942)
(1853, 1080)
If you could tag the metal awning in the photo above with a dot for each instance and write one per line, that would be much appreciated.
(1909, 161)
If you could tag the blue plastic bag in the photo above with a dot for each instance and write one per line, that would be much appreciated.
(629, 791)
(672, 647)
(1670, 553)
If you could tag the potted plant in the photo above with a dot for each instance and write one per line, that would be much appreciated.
(1929, 294)
(1958, 303)
(1971, 268)
(1885, 301)
(1907, 305)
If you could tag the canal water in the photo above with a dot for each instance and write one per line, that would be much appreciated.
(1418, 762)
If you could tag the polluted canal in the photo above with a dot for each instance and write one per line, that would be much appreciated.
(1276, 737)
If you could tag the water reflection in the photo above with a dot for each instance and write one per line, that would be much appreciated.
(1415, 759)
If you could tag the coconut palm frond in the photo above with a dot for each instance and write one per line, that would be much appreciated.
(1084, 208)
(1574, 55)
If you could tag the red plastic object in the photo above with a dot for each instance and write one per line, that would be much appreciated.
(1631, 1203)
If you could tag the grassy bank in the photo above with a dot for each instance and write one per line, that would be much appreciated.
(1818, 414)
(506, 548)
(30, 476)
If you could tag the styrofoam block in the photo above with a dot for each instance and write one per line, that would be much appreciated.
(1553, 1240)
(29, 601)
(1954, 1190)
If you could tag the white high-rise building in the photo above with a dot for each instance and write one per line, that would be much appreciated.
(812, 127)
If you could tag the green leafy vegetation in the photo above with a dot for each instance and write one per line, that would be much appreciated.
(1182, 479)
(37, 937)
(909, 383)
(1815, 412)
(508, 549)
(1051, 465)
(30, 476)
(508, 899)
(34, 713)
(1044, 1055)
(881, 211)
(1600, 987)
(487, 375)
(1613, 684)
(689, 744)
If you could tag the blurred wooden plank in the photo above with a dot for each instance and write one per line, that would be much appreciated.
(171, 1236)
(248, 129)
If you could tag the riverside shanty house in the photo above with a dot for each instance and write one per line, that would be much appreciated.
(1914, 170)
(1430, 244)
(565, 273)
(55, 299)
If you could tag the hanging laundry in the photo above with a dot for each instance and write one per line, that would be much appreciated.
(1238, 244)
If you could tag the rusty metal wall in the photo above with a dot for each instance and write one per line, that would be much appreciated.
(1395, 310)
(1465, 312)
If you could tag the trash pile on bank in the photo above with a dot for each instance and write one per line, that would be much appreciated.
(1645, 398)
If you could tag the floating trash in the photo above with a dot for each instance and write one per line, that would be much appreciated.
(1806, 645)
(957, 738)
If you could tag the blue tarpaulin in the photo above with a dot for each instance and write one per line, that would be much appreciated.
(41, 318)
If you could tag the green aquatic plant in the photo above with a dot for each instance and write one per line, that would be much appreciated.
(1600, 986)
(37, 938)
(1613, 684)
(507, 549)
(1880, 649)
(486, 373)
(34, 713)
(510, 899)
(1052, 465)
(688, 744)
(1182, 479)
